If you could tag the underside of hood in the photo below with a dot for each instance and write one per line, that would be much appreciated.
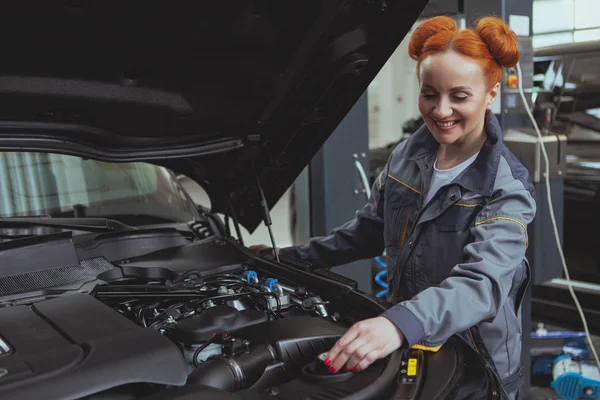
(220, 91)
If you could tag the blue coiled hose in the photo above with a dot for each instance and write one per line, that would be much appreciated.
(380, 277)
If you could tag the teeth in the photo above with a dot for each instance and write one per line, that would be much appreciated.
(445, 124)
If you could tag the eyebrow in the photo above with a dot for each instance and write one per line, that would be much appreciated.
(454, 89)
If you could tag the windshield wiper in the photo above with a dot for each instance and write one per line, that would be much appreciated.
(81, 224)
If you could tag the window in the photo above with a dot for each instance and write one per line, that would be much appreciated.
(546, 12)
(66, 186)
(565, 21)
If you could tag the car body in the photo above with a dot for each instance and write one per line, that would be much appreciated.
(104, 297)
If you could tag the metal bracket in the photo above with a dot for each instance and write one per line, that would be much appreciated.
(363, 186)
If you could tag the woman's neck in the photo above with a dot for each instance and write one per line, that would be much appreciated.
(451, 155)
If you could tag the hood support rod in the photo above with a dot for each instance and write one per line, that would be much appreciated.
(267, 216)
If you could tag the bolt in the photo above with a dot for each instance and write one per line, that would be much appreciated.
(356, 191)
(355, 155)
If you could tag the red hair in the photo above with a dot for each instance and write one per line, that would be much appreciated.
(492, 44)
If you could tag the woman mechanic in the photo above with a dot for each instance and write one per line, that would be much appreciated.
(451, 208)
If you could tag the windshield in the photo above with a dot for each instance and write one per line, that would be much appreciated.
(33, 184)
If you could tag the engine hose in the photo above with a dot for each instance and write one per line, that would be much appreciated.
(234, 373)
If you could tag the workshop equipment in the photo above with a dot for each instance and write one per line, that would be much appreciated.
(546, 346)
(575, 379)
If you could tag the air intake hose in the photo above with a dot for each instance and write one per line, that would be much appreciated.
(234, 373)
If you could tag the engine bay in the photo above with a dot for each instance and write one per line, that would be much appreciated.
(204, 320)
(231, 326)
(150, 326)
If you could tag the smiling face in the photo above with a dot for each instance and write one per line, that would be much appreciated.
(454, 97)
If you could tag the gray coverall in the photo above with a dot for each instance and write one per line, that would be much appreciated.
(456, 265)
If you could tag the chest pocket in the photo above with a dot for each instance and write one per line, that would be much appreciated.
(449, 234)
(458, 217)
(400, 208)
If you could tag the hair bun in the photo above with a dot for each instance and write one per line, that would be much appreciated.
(426, 30)
(500, 39)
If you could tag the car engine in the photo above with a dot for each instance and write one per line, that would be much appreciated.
(206, 320)
(139, 330)
(234, 324)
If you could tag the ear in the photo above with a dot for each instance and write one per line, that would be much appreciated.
(491, 97)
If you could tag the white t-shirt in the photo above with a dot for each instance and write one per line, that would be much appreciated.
(443, 177)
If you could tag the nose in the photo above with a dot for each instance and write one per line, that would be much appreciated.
(442, 109)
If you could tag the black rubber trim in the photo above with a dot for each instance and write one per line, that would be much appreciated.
(385, 380)
(337, 277)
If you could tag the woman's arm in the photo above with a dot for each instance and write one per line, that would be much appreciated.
(357, 239)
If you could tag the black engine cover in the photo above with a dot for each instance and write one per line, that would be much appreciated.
(73, 346)
(219, 319)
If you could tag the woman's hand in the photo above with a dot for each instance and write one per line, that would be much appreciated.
(257, 248)
(363, 344)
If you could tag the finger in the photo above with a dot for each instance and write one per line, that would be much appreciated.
(367, 360)
(256, 247)
(342, 342)
(357, 346)
(359, 355)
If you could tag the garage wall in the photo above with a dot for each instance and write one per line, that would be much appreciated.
(392, 97)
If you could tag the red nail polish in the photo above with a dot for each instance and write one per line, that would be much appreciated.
(332, 370)
(355, 370)
(327, 362)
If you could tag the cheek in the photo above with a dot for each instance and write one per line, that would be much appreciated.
(424, 106)
(472, 112)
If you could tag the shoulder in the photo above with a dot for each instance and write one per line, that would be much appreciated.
(512, 176)
(400, 151)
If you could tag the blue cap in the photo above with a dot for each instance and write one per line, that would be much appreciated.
(270, 282)
(249, 275)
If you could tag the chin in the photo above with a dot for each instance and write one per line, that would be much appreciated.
(445, 137)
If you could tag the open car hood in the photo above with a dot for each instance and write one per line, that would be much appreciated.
(220, 91)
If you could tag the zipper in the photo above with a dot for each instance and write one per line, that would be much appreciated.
(473, 341)
(489, 367)
(405, 228)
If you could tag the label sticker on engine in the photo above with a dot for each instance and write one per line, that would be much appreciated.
(412, 367)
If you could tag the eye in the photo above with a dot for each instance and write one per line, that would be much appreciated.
(429, 95)
(460, 98)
